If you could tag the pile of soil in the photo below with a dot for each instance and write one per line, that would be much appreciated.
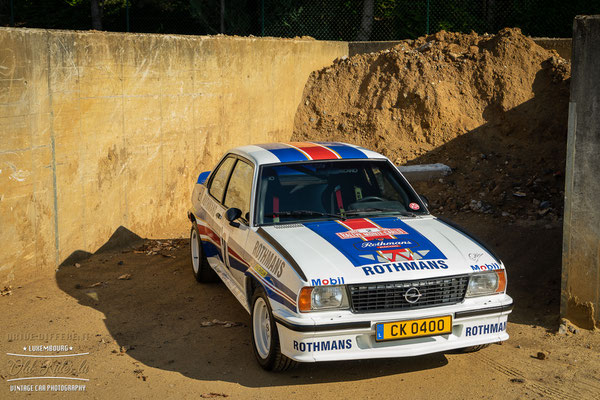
(492, 107)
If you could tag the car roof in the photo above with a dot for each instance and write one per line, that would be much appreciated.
(283, 152)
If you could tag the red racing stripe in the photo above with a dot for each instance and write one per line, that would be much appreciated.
(206, 231)
(315, 151)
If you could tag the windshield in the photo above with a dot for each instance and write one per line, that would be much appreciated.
(332, 189)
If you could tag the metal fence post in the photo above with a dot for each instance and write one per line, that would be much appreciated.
(12, 13)
(127, 13)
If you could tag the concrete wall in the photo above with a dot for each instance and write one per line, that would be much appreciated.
(580, 294)
(100, 130)
(561, 45)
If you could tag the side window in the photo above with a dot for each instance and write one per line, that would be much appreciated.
(240, 188)
(218, 183)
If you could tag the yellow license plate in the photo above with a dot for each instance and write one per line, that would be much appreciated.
(413, 328)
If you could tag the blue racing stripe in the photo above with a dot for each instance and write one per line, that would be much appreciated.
(275, 296)
(344, 150)
(210, 249)
(283, 152)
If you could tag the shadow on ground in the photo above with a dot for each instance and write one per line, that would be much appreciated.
(157, 315)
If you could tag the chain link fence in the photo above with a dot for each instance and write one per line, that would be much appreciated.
(349, 20)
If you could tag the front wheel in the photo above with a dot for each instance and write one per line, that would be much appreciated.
(265, 339)
(202, 270)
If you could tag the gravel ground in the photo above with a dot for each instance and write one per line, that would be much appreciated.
(152, 332)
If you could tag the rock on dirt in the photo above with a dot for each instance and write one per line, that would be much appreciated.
(451, 98)
(161, 247)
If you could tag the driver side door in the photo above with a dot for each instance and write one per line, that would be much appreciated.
(238, 195)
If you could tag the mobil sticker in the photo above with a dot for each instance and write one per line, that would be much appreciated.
(365, 241)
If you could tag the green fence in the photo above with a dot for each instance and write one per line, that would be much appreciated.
(327, 20)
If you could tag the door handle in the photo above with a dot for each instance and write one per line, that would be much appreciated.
(218, 215)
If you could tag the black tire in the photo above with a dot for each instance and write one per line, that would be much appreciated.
(472, 349)
(274, 360)
(203, 273)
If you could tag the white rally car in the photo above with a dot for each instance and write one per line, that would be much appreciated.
(336, 257)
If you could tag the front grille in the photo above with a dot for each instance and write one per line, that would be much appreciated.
(390, 296)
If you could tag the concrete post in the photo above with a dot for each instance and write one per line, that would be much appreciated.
(580, 289)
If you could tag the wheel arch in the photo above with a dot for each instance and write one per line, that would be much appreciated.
(251, 284)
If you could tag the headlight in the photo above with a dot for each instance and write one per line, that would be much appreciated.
(486, 283)
(323, 298)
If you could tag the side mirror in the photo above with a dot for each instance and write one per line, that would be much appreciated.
(232, 214)
(424, 200)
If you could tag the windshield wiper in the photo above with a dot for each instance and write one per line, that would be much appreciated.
(304, 213)
(371, 209)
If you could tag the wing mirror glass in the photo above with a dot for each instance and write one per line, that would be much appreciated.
(232, 214)
(425, 200)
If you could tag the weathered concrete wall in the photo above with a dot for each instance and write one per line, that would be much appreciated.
(101, 130)
(580, 294)
(561, 45)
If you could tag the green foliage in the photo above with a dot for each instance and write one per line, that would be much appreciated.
(321, 19)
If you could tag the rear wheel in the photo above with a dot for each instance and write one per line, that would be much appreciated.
(265, 339)
(202, 270)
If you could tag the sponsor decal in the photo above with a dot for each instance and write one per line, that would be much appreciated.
(414, 206)
(268, 259)
(323, 345)
(485, 329)
(475, 256)
(385, 244)
(261, 271)
(404, 266)
(365, 241)
(329, 281)
(486, 267)
(370, 233)
(209, 205)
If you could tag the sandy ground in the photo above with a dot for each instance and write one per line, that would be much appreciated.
(145, 338)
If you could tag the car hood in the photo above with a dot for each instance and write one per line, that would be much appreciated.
(381, 249)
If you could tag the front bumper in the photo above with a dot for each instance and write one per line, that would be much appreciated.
(347, 336)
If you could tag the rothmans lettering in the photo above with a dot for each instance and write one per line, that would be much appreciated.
(324, 345)
(405, 266)
(268, 259)
(485, 329)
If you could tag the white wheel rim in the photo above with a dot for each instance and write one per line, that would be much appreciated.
(195, 251)
(261, 325)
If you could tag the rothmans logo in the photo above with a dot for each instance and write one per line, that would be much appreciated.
(412, 295)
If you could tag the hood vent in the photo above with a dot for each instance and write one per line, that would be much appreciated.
(286, 226)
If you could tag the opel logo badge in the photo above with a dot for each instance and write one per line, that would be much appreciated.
(412, 295)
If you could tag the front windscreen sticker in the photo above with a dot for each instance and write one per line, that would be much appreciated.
(414, 206)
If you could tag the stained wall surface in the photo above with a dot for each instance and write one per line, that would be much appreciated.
(100, 130)
(580, 294)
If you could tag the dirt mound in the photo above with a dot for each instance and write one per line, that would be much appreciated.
(493, 107)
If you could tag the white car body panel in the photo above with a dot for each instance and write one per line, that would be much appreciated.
(287, 257)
